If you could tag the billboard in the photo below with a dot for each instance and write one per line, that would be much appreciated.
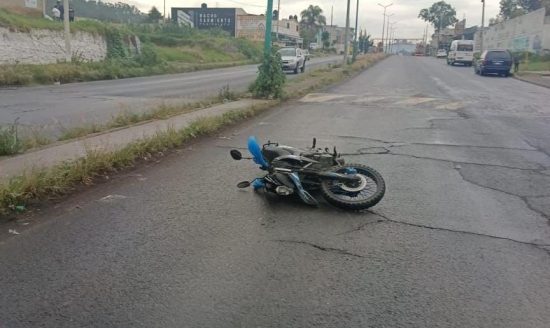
(207, 18)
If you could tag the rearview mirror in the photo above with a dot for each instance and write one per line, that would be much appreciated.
(243, 184)
(236, 154)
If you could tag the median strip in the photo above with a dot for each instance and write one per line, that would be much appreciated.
(64, 166)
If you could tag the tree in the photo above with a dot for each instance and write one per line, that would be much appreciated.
(154, 15)
(514, 8)
(365, 42)
(511, 9)
(496, 20)
(440, 15)
(325, 37)
(312, 20)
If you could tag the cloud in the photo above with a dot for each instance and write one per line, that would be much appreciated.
(370, 14)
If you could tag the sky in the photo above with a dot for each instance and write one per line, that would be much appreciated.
(405, 12)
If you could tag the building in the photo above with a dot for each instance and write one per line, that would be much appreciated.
(529, 32)
(443, 40)
(285, 31)
(337, 37)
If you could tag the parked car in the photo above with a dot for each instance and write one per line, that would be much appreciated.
(441, 53)
(293, 59)
(497, 61)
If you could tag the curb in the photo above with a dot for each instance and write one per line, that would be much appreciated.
(519, 78)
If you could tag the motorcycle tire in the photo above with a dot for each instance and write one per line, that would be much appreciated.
(346, 201)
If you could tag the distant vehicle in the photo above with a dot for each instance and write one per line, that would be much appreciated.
(461, 52)
(497, 61)
(293, 59)
(313, 46)
(441, 53)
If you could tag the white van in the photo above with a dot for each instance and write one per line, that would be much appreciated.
(461, 51)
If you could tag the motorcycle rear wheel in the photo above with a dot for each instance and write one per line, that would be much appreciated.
(336, 194)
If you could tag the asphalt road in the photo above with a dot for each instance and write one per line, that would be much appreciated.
(460, 240)
(52, 108)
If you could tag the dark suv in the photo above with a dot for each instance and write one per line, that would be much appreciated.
(495, 62)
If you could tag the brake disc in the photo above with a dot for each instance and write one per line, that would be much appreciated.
(362, 184)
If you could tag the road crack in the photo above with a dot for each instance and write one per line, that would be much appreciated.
(361, 226)
(525, 199)
(424, 226)
(387, 151)
(321, 248)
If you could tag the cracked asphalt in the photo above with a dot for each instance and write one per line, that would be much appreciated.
(461, 239)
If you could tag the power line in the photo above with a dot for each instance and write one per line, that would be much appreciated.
(245, 4)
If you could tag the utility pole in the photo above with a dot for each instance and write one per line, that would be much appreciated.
(346, 36)
(387, 33)
(356, 26)
(439, 31)
(268, 22)
(426, 41)
(68, 53)
(482, 27)
(384, 22)
(164, 12)
(331, 15)
(278, 17)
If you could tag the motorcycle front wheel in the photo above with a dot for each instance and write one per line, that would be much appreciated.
(357, 196)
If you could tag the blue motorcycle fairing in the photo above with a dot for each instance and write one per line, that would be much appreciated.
(258, 184)
(256, 151)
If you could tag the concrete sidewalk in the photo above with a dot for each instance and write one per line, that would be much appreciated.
(539, 78)
(109, 141)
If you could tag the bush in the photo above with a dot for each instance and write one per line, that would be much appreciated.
(9, 142)
(148, 56)
(271, 78)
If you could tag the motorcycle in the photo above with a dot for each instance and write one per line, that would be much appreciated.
(293, 171)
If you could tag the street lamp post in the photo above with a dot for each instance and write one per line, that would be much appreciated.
(390, 39)
(384, 21)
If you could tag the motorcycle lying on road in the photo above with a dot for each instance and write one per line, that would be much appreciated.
(299, 171)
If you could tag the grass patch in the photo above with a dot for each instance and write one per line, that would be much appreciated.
(25, 23)
(127, 118)
(535, 66)
(12, 75)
